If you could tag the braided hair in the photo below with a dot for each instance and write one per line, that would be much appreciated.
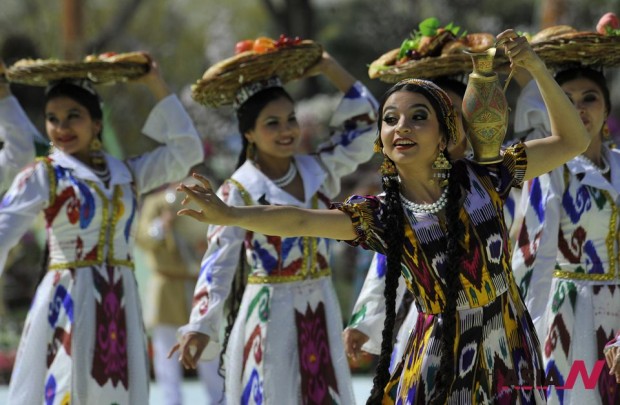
(395, 221)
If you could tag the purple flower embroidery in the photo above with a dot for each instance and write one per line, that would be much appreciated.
(110, 358)
(317, 370)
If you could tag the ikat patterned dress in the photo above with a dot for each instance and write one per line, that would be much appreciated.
(495, 341)
(84, 340)
(566, 265)
(285, 346)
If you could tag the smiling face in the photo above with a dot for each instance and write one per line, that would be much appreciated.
(276, 133)
(70, 127)
(410, 130)
(588, 99)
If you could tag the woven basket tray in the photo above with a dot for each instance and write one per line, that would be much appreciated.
(432, 67)
(220, 82)
(586, 48)
(41, 72)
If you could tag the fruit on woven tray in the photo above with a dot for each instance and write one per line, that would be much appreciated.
(244, 46)
(476, 42)
(553, 32)
(265, 44)
(608, 24)
(113, 57)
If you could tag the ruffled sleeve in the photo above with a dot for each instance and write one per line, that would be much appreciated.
(510, 171)
(182, 148)
(353, 130)
(29, 194)
(18, 135)
(365, 213)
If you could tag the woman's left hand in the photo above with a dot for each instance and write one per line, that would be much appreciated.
(519, 50)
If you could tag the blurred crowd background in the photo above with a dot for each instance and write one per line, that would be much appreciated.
(187, 36)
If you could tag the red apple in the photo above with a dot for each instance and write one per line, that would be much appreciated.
(243, 46)
(608, 20)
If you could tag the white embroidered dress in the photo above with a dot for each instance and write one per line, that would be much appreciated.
(285, 347)
(83, 341)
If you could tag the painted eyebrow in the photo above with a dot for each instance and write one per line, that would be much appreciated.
(71, 110)
(411, 107)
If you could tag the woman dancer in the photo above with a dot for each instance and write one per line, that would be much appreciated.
(84, 341)
(565, 257)
(285, 346)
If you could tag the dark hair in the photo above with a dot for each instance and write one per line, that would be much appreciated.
(394, 221)
(248, 113)
(84, 97)
(596, 76)
(448, 83)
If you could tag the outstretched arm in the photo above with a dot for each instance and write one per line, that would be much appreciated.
(568, 135)
(282, 221)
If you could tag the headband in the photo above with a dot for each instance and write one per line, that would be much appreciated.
(250, 89)
(441, 99)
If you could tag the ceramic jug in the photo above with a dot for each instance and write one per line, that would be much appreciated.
(485, 109)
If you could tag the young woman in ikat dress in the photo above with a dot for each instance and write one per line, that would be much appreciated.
(285, 345)
(363, 333)
(83, 340)
(565, 259)
(448, 241)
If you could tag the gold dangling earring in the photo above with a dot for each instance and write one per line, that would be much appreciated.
(96, 152)
(441, 165)
(51, 149)
(388, 168)
(605, 132)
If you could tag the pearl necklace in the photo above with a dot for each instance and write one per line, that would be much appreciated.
(288, 177)
(603, 170)
(427, 208)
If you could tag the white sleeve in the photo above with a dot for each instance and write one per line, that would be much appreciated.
(170, 125)
(217, 271)
(369, 310)
(18, 134)
(25, 199)
(353, 132)
(535, 251)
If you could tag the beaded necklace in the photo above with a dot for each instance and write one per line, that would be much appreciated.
(287, 178)
(432, 208)
(603, 170)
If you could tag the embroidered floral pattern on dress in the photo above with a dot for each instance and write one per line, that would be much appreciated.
(318, 379)
(110, 357)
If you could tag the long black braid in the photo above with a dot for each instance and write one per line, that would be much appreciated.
(394, 220)
(454, 252)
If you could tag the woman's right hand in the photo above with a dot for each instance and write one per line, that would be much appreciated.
(353, 341)
(191, 347)
(212, 209)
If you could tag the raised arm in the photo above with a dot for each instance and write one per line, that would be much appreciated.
(568, 135)
(266, 219)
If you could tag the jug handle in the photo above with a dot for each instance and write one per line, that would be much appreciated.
(512, 69)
